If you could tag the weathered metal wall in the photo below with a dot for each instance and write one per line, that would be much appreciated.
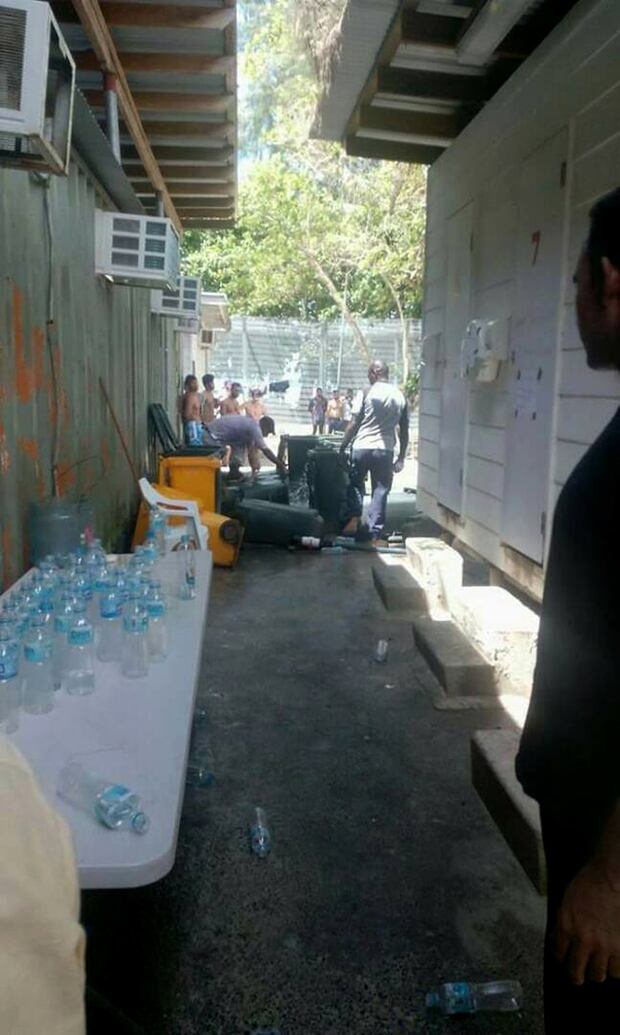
(49, 371)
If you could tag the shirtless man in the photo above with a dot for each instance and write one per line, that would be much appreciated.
(209, 402)
(230, 407)
(255, 409)
(190, 412)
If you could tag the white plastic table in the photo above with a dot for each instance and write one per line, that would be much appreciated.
(132, 731)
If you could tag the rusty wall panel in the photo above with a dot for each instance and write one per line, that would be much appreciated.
(49, 372)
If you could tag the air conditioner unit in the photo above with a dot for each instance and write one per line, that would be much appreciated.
(138, 250)
(37, 78)
(182, 301)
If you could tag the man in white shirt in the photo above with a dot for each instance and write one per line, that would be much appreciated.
(377, 413)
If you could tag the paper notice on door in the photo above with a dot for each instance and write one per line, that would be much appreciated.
(527, 393)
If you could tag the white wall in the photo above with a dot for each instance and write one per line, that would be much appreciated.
(572, 81)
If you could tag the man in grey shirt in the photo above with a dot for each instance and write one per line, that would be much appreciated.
(377, 413)
(240, 433)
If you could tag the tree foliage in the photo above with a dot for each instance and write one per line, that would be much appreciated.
(318, 233)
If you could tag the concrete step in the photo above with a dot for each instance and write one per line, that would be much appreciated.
(459, 667)
(438, 568)
(503, 629)
(400, 592)
(493, 755)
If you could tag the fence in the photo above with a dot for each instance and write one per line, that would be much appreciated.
(307, 354)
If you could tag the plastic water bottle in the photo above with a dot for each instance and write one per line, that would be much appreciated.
(186, 563)
(113, 804)
(158, 525)
(63, 620)
(464, 997)
(79, 666)
(156, 610)
(260, 838)
(10, 690)
(38, 683)
(110, 624)
(135, 654)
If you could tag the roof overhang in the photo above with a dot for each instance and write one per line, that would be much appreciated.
(175, 71)
(408, 75)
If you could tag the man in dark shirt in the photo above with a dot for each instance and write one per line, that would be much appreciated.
(569, 759)
(240, 433)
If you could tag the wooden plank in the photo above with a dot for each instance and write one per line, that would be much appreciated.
(166, 154)
(187, 173)
(406, 82)
(203, 213)
(392, 151)
(153, 16)
(94, 25)
(186, 64)
(157, 127)
(197, 201)
(152, 100)
(209, 224)
(203, 190)
(411, 123)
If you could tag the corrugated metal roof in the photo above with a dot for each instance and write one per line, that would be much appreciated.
(169, 63)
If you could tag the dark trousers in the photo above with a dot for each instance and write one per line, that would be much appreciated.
(592, 1009)
(378, 463)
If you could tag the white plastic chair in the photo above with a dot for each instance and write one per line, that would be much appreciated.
(172, 508)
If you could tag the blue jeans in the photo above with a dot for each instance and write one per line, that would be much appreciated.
(378, 463)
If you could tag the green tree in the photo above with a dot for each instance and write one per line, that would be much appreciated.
(318, 234)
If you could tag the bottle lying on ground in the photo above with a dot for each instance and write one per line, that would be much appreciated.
(464, 997)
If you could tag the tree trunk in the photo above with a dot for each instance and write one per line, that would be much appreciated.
(325, 278)
(403, 325)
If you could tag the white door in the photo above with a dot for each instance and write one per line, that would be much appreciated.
(454, 388)
(533, 347)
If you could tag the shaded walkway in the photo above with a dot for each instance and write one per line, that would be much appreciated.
(387, 876)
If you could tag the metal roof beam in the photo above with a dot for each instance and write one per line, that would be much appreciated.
(186, 173)
(200, 189)
(393, 121)
(487, 26)
(182, 153)
(136, 61)
(93, 22)
(154, 16)
(391, 151)
(152, 100)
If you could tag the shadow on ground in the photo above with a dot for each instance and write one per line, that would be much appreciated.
(387, 876)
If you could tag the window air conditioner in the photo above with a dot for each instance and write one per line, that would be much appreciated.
(138, 250)
(182, 301)
(37, 77)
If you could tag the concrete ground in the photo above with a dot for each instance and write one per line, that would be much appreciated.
(387, 876)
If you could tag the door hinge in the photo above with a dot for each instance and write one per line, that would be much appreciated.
(563, 174)
(543, 526)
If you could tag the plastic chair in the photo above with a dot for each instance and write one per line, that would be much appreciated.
(174, 508)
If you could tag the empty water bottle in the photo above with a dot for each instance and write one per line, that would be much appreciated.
(79, 664)
(158, 525)
(10, 691)
(465, 997)
(135, 655)
(110, 639)
(260, 838)
(158, 628)
(381, 650)
(186, 568)
(113, 804)
(63, 620)
(38, 681)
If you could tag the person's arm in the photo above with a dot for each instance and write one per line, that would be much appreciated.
(403, 439)
(587, 933)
